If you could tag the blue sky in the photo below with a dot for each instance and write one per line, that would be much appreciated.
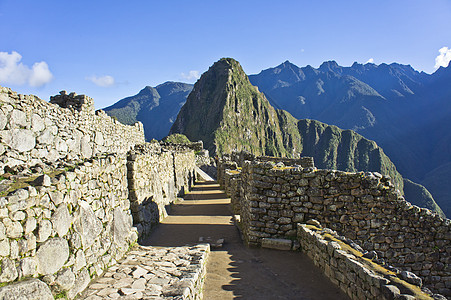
(111, 49)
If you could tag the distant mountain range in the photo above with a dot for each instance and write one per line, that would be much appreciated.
(156, 108)
(227, 113)
(406, 112)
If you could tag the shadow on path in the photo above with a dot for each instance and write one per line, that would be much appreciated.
(235, 271)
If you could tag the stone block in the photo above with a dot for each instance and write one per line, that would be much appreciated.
(61, 220)
(44, 230)
(65, 279)
(278, 244)
(411, 278)
(52, 255)
(8, 271)
(28, 266)
(87, 224)
(27, 290)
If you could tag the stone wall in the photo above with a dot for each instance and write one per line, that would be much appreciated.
(67, 227)
(356, 275)
(223, 166)
(241, 156)
(157, 176)
(33, 131)
(364, 207)
(184, 165)
(69, 184)
(232, 184)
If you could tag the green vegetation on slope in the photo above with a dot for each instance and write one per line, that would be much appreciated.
(227, 113)
(156, 108)
(346, 150)
(420, 196)
(437, 181)
(176, 138)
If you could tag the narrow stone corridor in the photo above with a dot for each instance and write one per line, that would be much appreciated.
(233, 270)
(170, 261)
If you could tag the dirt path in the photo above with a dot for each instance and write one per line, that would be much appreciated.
(233, 270)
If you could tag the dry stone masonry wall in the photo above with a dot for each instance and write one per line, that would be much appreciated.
(33, 131)
(232, 186)
(69, 227)
(157, 176)
(77, 188)
(365, 207)
(357, 276)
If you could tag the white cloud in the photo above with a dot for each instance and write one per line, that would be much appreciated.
(443, 59)
(40, 74)
(192, 75)
(12, 71)
(370, 61)
(103, 81)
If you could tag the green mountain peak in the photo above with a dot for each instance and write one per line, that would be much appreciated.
(228, 113)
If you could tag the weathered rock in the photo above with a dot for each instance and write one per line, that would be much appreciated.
(121, 228)
(14, 249)
(85, 147)
(30, 225)
(4, 247)
(28, 266)
(411, 278)
(60, 145)
(14, 230)
(18, 118)
(80, 260)
(47, 137)
(65, 279)
(99, 138)
(21, 140)
(3, 120)
(61, 220)
(43, 180)
(391, 292)
(52, 255)
(8, 271)
(44, 230)
(314, 223)
(27, 290)
(82, 280)
(37, 123)
(278, 244)
(56, 197)
(2, 231)
(87, 224)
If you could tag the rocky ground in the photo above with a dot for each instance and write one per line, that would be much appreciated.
(152, 273)
(233, 270)
(171, 263)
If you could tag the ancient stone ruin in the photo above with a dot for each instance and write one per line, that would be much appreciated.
(78, 190)
(361, 212)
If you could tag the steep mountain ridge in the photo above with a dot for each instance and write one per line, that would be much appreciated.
(156, 107)
(227, 113)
